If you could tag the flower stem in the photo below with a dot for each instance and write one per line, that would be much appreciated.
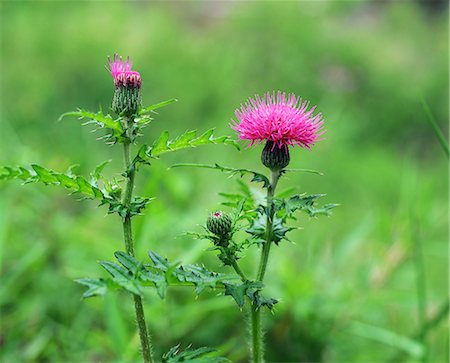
(256, 331)
(129, 245)
(238, 270)
(257, 349)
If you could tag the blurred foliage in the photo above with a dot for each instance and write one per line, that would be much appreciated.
(365, 64)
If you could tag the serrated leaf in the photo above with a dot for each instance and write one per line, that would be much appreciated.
(133, 275)
(96, 287)
(74, 183)
(44, 175)
(251, 290)
(122, 277)
(98, 171)
(183, 139)
(129, 262)
(156, 106)
(260, 178)
(160, 144)
(139, 271)
(306, 203)
(67, 181)
(187, 140)
(258, 228)
(279, 230)
(261, 301)
(101, 121)
(99, 117)
(237, 292)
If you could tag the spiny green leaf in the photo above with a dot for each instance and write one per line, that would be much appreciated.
(74, 183)
(99, 118)
(44, 175)
(261, 301)
(237, 292)
(250, 289)
(186, 140)
(129, 262)
(98, 171)
(279, 230)
(198, 276)
(199, 355)
(96, 287)
(257, 177)
(9, 172)
(133, 276)
(156, 106)
(142, 273)
(306, 203)
(101, 121)
(122, 277)
(160, 144)
(258, 228)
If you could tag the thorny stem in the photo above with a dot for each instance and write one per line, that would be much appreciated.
(256, 331)
(129, 245)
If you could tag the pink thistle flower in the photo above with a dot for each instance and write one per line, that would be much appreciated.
(122, 74)
(279, 119)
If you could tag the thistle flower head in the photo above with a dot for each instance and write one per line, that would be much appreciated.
(122, 74)
(220, 224)
(281, 119)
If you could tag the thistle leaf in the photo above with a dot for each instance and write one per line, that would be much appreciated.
(156, 106)
(122, 277)
(97, 173)
(116, 132)
(251, 290)
(96, 287)
(39, 174)
(305, 203)
(133, 276)
(187, 140)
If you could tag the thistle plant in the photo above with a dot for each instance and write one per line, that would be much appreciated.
(124, 127)
(279, 121)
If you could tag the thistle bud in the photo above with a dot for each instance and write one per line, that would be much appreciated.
(127, 96)
(219, 224)
(275, 157)
(126, 101)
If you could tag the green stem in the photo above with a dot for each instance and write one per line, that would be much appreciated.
(238, 270)
(269, 225)
(256, 331)
(129, 245)
(257, 349)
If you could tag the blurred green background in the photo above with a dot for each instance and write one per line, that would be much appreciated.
(348, 287)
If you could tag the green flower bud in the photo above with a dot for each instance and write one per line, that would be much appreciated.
(274, 157)
(126, 100)
(219, 224)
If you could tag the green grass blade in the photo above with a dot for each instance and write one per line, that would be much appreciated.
(438, 132)
(408, 345)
